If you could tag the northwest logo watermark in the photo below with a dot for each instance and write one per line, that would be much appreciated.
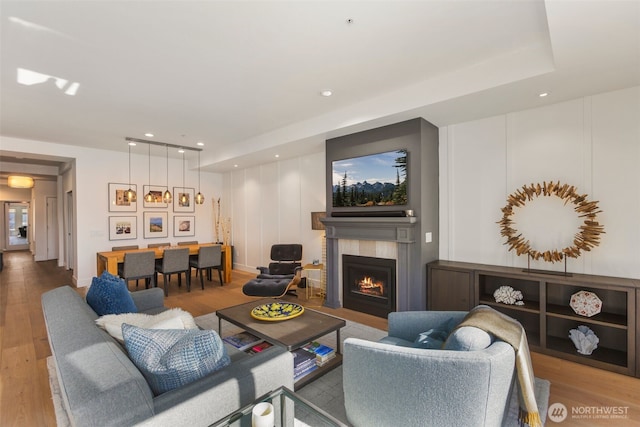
(558, 412)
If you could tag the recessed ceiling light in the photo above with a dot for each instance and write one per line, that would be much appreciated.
(326, 93)
(543, 94)
(200, 143)
(235, 166)
(150, 135)
(277, 155)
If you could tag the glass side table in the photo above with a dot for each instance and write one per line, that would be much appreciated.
(290, 409)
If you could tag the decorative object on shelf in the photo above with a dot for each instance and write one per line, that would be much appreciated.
(508, 295)
(584, 339)
(585, 303)
(585, 239)
(276, 311)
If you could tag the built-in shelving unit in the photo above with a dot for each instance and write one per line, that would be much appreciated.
(546, 314)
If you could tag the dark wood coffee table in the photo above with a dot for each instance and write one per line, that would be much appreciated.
(291, 334)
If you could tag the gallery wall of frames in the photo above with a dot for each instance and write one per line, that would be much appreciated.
(159, 219)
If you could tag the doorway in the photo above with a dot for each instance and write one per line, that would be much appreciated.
(17, 225)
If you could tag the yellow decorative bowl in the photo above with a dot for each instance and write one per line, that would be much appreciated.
(277, 311)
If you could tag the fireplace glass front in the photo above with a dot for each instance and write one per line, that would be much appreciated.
(369, 284)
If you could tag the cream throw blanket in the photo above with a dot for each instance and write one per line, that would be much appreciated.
(510, 331)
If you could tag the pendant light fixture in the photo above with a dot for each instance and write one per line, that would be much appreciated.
(131, 195)
(184, 197)
(166, 197)
(149, 197)
(199, 196)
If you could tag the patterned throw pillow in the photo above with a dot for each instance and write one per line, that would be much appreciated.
(109, 294)
(169, 359)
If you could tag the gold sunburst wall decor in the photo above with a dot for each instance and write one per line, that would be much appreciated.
(585, 239)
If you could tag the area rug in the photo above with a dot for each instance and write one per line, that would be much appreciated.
(325, 392)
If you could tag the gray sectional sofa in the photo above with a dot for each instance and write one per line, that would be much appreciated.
(101, 386)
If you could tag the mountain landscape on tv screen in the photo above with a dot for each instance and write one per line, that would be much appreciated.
(369, 181)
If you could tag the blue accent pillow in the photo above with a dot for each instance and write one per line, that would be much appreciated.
(468, 338)
(434, 337)
(109, 294)
(171, 358)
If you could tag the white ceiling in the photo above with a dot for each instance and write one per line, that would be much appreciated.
(245, 77)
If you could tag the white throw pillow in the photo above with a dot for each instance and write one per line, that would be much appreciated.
(174, 318)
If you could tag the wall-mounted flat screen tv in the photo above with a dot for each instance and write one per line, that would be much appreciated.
(373, 180)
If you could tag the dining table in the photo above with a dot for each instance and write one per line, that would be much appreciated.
(109, 260)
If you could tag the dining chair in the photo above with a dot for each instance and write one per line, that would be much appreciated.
(139, 265)
(191, 242)
(208, 258)
(174, 261)
(124, 248)
(158, 245)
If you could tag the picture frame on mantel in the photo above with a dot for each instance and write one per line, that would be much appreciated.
(188, 205)
(156, 224)
(123, 227)
(118, 201)
(156, 193)
(184, 226)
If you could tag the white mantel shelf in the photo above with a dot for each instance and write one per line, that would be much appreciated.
(391, 229)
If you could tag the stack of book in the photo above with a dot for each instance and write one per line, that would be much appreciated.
(243, 340)
(304, 362)
(322, 352)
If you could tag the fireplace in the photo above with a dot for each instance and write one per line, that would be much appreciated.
(369, 284)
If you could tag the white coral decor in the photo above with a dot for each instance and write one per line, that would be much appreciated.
(584, 339)
(508, 295)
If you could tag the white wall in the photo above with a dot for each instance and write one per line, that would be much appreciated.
(272, 203)
(94, 170)
(592, 143)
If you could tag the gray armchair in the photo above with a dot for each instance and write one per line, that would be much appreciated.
(390, 383)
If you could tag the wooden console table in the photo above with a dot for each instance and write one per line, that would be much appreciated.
(109, 260)
(546, 315)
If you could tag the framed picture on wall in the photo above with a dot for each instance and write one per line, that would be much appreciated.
(156, 196)
(156, 224)
(118, 200)
(184, 226)
(123, 227)
(183, 199)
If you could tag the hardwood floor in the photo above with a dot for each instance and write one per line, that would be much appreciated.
(25, 399)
